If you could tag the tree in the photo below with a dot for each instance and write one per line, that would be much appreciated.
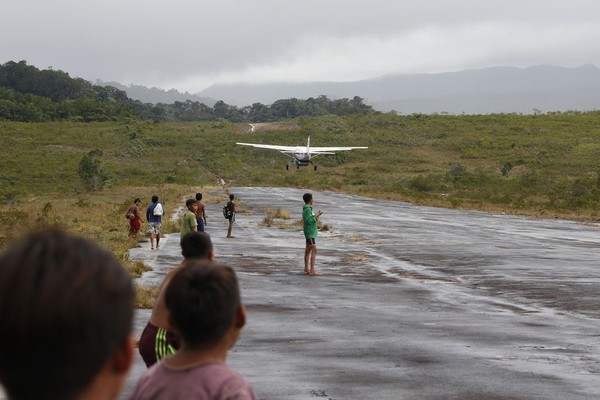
(221, 109)
(91, 172)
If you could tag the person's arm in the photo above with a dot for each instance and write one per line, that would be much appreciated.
(194, 223)
(136, 211)
(308, 215)
(204, 214)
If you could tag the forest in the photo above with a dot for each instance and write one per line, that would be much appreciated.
(28, 94)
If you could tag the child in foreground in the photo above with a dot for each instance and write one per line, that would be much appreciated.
(66, 307)
(206, 312)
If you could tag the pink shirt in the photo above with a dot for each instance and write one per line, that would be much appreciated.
(212, 381)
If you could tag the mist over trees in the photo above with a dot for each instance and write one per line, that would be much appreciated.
(28, 94)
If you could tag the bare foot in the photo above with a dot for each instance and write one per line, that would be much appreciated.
(306, 273)
(313, 273)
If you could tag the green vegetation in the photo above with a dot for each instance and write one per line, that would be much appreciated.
(91, 172)
(57, 173)
(544, 165)
(28, 94)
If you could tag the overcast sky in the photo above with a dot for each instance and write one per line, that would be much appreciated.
(191, 44)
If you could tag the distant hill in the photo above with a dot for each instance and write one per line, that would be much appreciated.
(155, 95)
(541, 88)
(28, 94)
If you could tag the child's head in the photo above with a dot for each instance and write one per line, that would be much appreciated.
(66, 307)
(203, 299)
(155, 199)
(198, 196)
(196, 245)
(231, 197)
(190, 203)
(307, 197)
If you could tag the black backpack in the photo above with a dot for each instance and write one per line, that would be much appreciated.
(227, 213)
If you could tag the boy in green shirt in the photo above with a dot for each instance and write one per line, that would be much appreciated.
(188, 222)
(310, 220)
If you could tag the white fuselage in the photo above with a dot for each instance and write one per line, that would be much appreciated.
(302, 158)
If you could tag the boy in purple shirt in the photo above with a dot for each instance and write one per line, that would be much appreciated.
(206, 312)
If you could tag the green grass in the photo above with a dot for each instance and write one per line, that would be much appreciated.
(440, 160)
(453, 161)
(445, 160)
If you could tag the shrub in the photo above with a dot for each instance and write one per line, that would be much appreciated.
(146, 296)
(91, 171)
(506, 168)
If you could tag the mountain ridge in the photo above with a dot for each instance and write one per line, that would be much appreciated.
(156, 95)
(544, 88)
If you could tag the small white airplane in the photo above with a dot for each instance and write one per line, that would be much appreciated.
(301, 155)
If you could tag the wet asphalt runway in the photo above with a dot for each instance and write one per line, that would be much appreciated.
(414, 302)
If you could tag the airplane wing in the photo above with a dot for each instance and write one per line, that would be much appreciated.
(302, 149)
(330, 150)
(283, 149)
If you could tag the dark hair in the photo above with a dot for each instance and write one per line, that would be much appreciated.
(196, 245)
(155, 199)
(66, 306)
(231, 197)
(138, 199)
(190, 202)
(307, 197)
(198, 196)
(203, 299)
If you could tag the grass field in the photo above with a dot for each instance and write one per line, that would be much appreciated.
(539, 165)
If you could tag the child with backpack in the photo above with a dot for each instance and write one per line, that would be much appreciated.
(229, 214)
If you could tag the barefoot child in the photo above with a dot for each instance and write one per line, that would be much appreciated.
(231, 217)
(311, 221)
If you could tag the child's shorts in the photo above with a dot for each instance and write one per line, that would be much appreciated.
(156, 343)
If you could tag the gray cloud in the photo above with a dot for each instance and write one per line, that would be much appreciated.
(190, 44)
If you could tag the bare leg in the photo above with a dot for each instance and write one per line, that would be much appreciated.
(230, 228)
(313, 256)
(157, 240)
(152, 241)
(306, 257)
